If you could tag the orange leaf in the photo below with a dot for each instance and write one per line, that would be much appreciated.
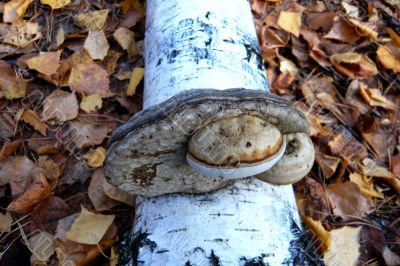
(32, 118)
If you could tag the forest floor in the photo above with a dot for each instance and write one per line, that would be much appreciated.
(71, 72)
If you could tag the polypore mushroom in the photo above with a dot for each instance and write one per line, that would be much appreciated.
(191, 155)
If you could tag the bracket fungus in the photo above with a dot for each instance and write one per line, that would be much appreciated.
(211, 141)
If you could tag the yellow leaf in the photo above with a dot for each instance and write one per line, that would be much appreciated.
(42, 247)
(89, 228)
(5, 222)
(114, 256)
(14, 10)
(366, 28)
(344, 248)
(96, 157)
(46, 63)
(136, 77)
(55, 4)
(21, 33)
(96, 44)
(60, 36)
(91, 103)
(319, 232)
(394, 36)
(366, 185)
(388, 59)
(374, 97)
(93, 20)
(290, 22)
(30, 117)
(126, 39)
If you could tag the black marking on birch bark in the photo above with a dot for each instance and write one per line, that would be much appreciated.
(257, 261)
(141, 240)
(221, 214)
(214, 259)
(177, 230)
(303, 249)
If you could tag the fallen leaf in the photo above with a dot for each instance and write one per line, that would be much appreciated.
(91, 103)
(374, 97)
(315, 201)
(354, 65)
(136, 76)
(327, 163)
(126, 39)
(14, 10)
(9, 147)
(46, 214)
(60, 36)
(96, 44)
(6, 222)
(345, 247)
(347, 201)
(388, 59)
(394, 36)
(33, 119)
(42, 247)
(351, 10)
(56, 4)
(90, 78)
(11, 85)
(77, 135)
(94, 20)
(365, 185)
(69, 252)
(111, 60)
(343, 31)
(367, 28)
(89, 228)
(21, 33)
(60, 106)
(100, 200)
(320, 20)
(95, 158)
(46, 63)
(319, 233)
(37, 192)
(290, 22)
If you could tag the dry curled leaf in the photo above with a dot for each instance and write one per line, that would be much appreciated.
(60, 106)
(389, 59)
(9, 147)
(6, 222)
(89, 228)
(21, 33)
(374, 97)
(126, 39)
(90, 78)
(343, 31)
(365, 185)
(354, 65)
(319, 233)
(11, 85)
(100, 200)
(38, 191)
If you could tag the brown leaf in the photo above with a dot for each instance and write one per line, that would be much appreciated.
(46, 63)
(78, 135)
(90, 78)
(14, 10)
(374, 97)
(347, 201)
(60, 106)
(320, 20)
(314, 199)
(37, 192)
(343, 31)
(33, 119)
(96, 44)
(19, 172)
(6, 222)
(126, 39)
(11, 86)
(354, 65)
(328, 164)
(9, 147)
(46, 214)
(100, 200)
